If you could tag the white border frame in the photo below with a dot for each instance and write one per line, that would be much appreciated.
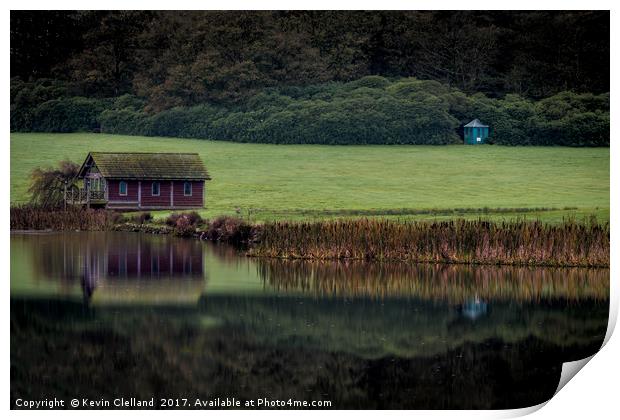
(591, 394)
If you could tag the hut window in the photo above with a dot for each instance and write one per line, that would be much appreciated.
(155, 188)
(122, 188)
(187, 188)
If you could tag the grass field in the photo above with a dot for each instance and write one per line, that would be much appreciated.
(405, 182)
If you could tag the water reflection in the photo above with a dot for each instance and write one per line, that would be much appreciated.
(97, 255)
(118, 314)
(454, 283)
(474, 308)
(99, 260)
(115, 266)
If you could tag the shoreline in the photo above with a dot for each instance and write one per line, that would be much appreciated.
(459, 242)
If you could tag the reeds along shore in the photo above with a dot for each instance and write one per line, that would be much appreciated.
(72, 218)
(459, 241)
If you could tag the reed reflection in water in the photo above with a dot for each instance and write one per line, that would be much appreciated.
(454, 283)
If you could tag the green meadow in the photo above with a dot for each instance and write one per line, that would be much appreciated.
(294, 182)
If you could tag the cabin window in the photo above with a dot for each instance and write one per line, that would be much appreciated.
(155, 188)
(122, 188)
(187, 188)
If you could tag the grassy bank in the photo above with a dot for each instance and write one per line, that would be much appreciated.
(302, 182)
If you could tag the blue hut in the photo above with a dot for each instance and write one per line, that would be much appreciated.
(475, 132)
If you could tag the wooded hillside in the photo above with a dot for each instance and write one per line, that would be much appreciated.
(329, 77)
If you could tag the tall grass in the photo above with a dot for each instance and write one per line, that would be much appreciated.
(28, 217)
(459, 241)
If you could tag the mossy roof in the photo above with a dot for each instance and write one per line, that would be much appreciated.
(147, 165)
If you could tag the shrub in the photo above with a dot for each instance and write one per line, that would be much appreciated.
(67, 115)
(375, 82)
(232, 230)
(184, 224)
(194, 218)
(172, 219)
(124, 121)
(141, 218)
(128, 101)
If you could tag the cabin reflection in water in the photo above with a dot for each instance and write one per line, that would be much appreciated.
(113, 267)
(147, 259)
(132, 258)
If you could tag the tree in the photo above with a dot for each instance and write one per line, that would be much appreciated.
(107, 63)
(48, 186)
(42, 40)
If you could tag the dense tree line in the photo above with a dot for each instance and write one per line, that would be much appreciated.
(370, 110)
(314, 76)
(186, 58)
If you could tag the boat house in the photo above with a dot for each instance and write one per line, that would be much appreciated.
(135, 181)
(475, 132)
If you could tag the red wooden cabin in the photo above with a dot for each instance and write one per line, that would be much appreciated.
(141, 181)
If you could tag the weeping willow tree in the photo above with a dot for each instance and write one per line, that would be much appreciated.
(48, 186)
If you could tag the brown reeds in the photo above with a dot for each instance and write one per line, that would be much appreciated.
(460, 241)
(73, 218)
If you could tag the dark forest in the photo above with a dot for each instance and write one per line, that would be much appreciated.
(330, 77)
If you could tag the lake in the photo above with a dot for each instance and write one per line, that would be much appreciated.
(126, 315)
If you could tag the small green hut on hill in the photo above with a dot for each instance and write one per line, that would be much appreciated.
(475, 132)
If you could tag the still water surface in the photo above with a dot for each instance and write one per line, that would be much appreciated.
(108, 315)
